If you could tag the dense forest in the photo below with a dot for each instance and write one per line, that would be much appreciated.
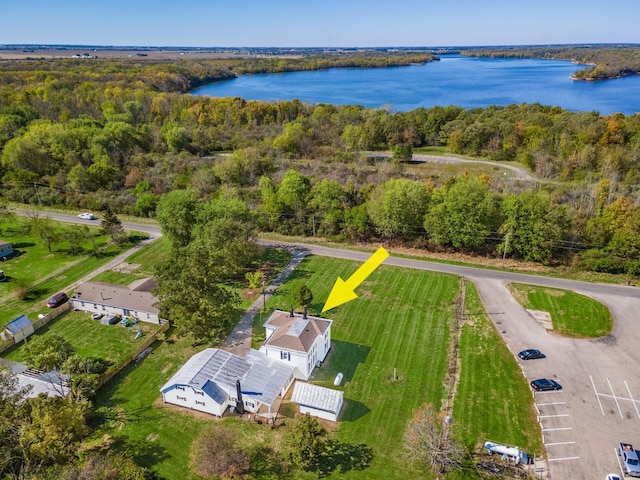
(121, 134)
(605, 62)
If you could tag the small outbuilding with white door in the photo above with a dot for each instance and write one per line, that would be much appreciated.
(318, 401)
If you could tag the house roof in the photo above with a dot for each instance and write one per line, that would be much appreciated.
(143, 285)
(116, 296)
(315, 396)
(2, 243)
(21, 323)
(215, 372)
(54, 384)
(295, 332)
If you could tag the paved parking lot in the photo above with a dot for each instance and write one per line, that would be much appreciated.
(599, 404)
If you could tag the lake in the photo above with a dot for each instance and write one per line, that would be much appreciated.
(454, 80)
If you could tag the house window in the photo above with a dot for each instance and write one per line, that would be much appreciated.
(199, 393)
(95, 307)
(198, 402)
(250, 404)
(82, 303)
(180, 388)
(285, 355)
(181, 398)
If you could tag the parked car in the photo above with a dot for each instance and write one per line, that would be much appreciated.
(57, 300)
(544, 384)
(531, 354)
(87, 216)
(612, 476)
(630, 459)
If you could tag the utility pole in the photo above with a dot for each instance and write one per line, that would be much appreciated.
(264, 297)
(35, 186)
(506, 245)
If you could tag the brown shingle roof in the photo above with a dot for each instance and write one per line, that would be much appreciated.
(116, 296)
(295, 333)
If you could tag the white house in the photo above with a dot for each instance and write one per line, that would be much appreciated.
(318, 401)
(297, 339)
(134, 300)
(213, 380)
(18, 329)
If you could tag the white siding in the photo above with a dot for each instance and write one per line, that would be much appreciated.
(188, 398)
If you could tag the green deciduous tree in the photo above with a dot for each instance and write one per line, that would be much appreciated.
(47, 352)
(45, 229)
(398, 207)
(177, 214)
(463, 214)
(535, 225)
(306, 441)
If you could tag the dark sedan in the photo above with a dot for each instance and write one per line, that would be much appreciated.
(531, 354)
(544, 384)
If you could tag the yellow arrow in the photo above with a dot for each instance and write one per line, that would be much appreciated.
(343, 292)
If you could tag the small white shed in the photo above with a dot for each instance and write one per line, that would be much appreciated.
(18, 329)
(318, 401)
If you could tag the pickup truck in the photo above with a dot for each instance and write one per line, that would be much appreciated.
(630, 460)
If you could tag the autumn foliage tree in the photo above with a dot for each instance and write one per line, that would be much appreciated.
(427, 441)
(217, 454)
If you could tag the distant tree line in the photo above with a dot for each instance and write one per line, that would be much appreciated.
(605, 61)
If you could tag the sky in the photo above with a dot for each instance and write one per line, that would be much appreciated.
(318, 23)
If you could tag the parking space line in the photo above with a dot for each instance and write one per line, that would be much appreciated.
(558, 443)
(561, 459)
(632, 399)
(597, 396)
(555, 429)
(551, 403)
(615, 398)
(552, 416)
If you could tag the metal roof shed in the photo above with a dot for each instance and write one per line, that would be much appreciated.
(318, 401)
(19, 329)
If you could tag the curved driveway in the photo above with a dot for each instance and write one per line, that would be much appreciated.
(600, 402)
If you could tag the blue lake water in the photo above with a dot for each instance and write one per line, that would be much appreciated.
(454, 80)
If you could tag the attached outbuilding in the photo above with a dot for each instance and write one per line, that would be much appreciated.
(213, 380)
(318, 401)
(18, 329)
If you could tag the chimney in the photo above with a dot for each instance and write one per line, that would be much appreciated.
(239, 401)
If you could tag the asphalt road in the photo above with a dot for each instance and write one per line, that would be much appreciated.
(599, 405)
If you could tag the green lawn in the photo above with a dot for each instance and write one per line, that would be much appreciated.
(43, 272)
(402, 321)
(572, 314)
(90, 338)
(493, 400)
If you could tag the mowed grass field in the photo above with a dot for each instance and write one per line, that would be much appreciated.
(572, 314)
(493, 400)
(401, 320)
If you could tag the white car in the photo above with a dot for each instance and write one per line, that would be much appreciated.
(87, 216)
(612, 476)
